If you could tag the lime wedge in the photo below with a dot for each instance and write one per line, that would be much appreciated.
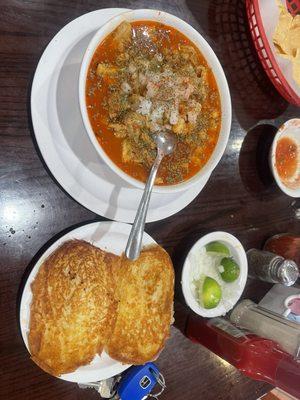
(217, 247)
(231, 270)
(211, 293)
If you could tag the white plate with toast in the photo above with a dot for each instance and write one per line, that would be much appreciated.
(63, 142)
(111, 237)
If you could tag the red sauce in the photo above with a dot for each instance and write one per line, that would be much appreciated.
(286, 158)
(285, 245)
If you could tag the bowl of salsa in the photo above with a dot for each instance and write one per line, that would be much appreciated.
(285, 157)
(146, 71)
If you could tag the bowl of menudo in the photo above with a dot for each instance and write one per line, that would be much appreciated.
(146, 71)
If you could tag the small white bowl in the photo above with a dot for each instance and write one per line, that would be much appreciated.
(289, 129)
(213, 62)
(239, 255)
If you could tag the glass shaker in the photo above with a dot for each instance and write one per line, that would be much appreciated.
(272, 268)
(267, 324)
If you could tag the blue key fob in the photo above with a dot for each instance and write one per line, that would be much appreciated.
(138, 382)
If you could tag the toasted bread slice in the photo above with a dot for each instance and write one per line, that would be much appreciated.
(145, 291)
(73, 307)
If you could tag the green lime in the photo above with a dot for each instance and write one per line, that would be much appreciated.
(218, 247)
(231, 270)
(211, 293)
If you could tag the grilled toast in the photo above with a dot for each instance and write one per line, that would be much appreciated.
(73, 307)
(144, 292)
(85, 300)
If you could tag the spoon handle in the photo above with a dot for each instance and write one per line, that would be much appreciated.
(133, 247)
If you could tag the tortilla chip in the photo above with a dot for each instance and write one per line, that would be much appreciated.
(296, 67)
(281, 37)
(286, 38)
(294, 35)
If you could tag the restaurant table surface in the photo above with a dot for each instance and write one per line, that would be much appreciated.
(240, 197)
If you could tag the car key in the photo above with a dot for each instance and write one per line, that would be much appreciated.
(135, 384)
(138, 382)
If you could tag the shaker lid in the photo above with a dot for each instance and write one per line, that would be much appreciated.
(288, 272)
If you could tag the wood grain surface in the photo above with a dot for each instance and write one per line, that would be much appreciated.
(240, 196)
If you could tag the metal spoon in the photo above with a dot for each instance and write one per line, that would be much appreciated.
(166, 143)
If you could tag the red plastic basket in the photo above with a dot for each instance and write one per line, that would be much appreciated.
(264, 50)
(293, 6)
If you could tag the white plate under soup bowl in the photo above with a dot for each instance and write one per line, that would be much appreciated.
(231, 291)
(213, 62)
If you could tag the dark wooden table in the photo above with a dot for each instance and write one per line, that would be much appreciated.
(240, 197)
